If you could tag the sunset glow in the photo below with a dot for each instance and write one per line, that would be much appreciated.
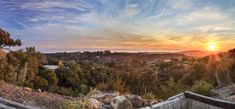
(120, 25)
(212, 46)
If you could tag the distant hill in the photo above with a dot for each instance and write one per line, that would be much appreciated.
(195, 53)
(103, 57)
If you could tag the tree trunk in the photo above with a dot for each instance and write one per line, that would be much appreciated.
(218, 79)
(228, 74)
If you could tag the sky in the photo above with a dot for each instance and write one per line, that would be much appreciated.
(120, 25)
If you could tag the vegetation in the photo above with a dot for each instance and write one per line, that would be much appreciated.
(6, 40)
(142, 76)
(202, 87)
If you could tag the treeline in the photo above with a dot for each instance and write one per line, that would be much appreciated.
(164, 79)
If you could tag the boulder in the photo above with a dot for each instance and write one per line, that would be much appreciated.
(136, 100)
(38, 90)
(90, 103)
(27, 89)
(95, 94)
(231, 98)
(106, 107)
(121, 102)
(149, 102)
(107, 99)
(95, 103)
(104, 96)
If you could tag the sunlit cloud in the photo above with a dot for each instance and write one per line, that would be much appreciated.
(131, 25)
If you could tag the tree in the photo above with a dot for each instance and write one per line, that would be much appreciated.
(50, 76)
(40, 83)
(6, 40)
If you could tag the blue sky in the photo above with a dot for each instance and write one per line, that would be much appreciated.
(121, 25)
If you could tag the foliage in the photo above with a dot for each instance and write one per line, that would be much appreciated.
(171, 88)
(40, 83)
(6, 40)
(132, 74)
(148, 95)
(103, 86)
(118, 85)
(202, 87)
(70, 105)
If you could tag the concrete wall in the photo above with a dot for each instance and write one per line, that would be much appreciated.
(182, 102)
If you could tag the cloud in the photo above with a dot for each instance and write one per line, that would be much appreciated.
(55, 5)
(119, 24)
(131, 10)
(206, 14)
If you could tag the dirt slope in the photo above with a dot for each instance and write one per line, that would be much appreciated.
(30, 97)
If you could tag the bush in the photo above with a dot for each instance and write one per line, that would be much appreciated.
(67, 91)
(102, 86)
(119, 85)
(70, 105)
(202, 87)
(171, 88)
(148, 95)
(40, 83)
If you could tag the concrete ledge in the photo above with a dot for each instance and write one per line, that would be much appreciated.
(190, 100)
(209, 100)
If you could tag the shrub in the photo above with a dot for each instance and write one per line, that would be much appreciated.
(148, 95)
(40, 83)
(119, 85)
(70, 105)
(102, 86)
(202, 87)
(67, 91)
(171, 88)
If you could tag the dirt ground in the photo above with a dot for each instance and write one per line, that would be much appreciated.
(32, 97)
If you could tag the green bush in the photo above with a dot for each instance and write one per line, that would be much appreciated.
(171, 88)
(70, 105)
(40, 83)
(202, 87)
(67, 91)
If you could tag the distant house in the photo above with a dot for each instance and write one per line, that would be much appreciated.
(51, 67)
(167, 60)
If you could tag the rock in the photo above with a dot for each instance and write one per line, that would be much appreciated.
(38, 90)
(95, 94)
(91, 103)
(150, 102)
(105, 96)
(214, 92)
(106, 107)
(107, 99)
(136, 100)
(27, 89)
(100, 94)
(147, 103)
(121, 102)
(231, 98)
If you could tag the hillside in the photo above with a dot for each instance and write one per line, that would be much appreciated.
(107, 56)
(195, 53)
(32, 97)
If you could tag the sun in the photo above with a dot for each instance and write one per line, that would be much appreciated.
(212, 46)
